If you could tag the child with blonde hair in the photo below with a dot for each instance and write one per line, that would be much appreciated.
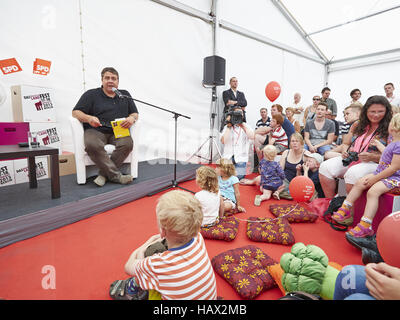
(385, 178)
(272, 175)
(210, 199)
(229, 185)
(179, 217)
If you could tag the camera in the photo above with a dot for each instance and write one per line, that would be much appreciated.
(353, 156)
(236, 117)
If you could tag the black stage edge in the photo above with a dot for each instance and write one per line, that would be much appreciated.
(25, 212)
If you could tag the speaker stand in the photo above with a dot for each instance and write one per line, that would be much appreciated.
(211, 138)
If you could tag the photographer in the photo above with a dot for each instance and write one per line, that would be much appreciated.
(373, 124)
(236, 137)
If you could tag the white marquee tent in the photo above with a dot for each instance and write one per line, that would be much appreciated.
(158, 47)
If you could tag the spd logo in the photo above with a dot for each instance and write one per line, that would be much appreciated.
(8, 66)
(41, 67)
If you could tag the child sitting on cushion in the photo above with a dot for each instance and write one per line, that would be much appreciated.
(385, 178)
(179, 218)
(229, 186)
(210, 199)
(310, 169)
(272, 174)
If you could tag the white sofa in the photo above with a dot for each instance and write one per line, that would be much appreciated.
(85, 167)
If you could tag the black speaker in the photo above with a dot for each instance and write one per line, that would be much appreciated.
(214, 71)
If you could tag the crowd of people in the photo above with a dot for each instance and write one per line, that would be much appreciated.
(364, 151)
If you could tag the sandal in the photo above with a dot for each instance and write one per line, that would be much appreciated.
(257, 200)
(276, 196)
(361, 233)
(119, 291)
(346, 219)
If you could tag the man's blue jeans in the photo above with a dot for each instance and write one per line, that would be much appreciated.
(350, 284)
(240, 168)
(320, 150)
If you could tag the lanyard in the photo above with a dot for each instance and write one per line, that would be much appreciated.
(238, 135)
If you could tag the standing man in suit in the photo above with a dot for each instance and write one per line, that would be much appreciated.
(233, 98)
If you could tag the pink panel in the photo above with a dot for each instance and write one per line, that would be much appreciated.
(13, 132)
(385, 208)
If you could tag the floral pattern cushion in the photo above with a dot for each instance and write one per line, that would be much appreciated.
(293, 212)
(245, 269)
(276, 230)
(395, 191)
(226, 229)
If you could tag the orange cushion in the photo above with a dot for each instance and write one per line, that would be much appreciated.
(276, 272)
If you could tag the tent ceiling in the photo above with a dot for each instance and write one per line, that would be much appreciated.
(364, 36)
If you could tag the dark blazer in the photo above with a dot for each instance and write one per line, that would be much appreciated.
(229, 95)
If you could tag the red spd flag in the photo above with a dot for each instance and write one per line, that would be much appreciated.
(8, 66)
(41, 67)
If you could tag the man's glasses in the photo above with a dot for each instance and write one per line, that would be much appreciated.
(316, 99)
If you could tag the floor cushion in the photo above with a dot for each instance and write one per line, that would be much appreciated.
(293, 212)
(245, 269)
(276, 230)
(226, 229)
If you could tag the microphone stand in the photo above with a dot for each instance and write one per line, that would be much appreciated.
(174, 183)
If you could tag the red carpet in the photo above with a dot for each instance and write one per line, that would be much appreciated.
(89, 255)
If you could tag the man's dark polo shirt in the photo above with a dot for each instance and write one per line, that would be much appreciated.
(96, 103)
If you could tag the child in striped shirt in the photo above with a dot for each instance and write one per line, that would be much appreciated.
(278, 137)
(183, 271)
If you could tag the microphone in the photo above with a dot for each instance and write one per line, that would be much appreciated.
(117, 92)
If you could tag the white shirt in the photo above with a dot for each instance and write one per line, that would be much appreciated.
(237, 144)
(299, 116)
(210, 202)
(394, 101)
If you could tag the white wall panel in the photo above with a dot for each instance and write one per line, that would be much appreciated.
(262, 17)
(48, 30)
(370, 80)
(159, 54)
(260, 64)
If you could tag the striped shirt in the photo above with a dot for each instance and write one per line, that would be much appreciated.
(280, 136)
(183, 273)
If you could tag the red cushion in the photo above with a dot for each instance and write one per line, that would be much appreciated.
(276, 230)
(293, 212)
(226, 229)
(245, 269)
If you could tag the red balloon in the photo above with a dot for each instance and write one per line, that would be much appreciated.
(301, 188)
(388, 239)
(272, 90)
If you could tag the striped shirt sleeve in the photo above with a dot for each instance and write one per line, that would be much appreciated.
(185, 273)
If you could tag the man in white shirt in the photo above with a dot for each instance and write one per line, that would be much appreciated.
(393, 100)
(298, 110)
(236, 140)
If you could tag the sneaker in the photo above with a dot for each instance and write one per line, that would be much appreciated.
(257, 200)
(127, 290)
(368, 242)
(123, 179)
(100, 180)
(370, 256)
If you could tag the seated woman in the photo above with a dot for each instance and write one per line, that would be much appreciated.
(385, 178)
(290, 115)
(289, 161)
(374, 122)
